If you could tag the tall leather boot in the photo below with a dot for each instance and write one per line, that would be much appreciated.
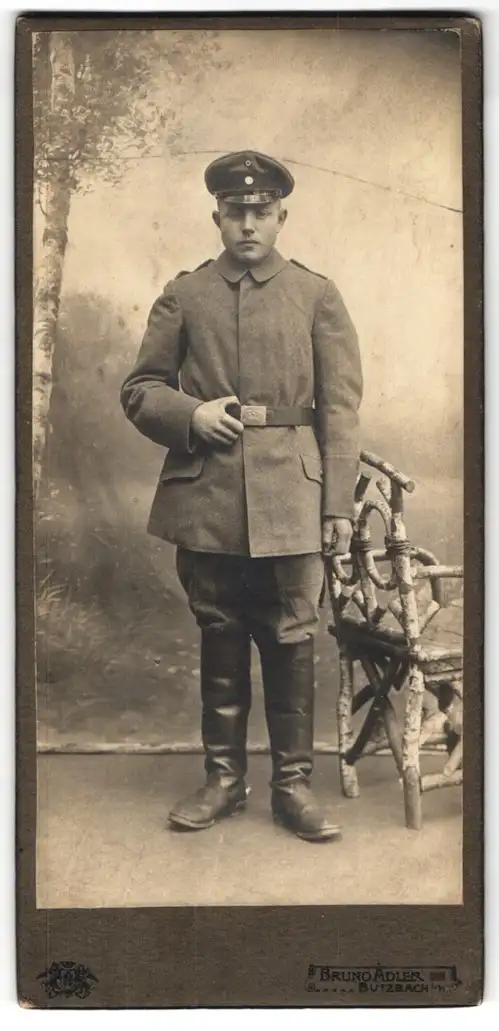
(226, 701)
(288, 679)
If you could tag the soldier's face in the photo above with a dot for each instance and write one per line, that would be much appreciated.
(249, 231)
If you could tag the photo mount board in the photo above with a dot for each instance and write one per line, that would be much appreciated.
(256, 956)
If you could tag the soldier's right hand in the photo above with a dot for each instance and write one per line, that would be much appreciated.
(213, 424)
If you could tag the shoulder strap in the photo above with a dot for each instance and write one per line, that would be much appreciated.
(312, 273)
(188, 272)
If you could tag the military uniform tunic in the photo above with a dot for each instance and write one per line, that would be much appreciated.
(277, 335)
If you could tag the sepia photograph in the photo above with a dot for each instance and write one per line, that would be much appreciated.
(247, 426)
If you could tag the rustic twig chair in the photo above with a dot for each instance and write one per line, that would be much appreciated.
(380, 623)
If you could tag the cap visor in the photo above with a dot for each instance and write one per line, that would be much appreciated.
(249, 198)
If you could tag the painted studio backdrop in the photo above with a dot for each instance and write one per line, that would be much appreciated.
(369, 124)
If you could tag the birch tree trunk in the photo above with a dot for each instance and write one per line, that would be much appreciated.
(47, 291)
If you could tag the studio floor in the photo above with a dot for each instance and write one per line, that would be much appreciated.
(102, 839)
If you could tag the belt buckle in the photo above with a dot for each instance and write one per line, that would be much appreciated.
(254, 415)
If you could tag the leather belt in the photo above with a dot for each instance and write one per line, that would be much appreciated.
(262, 415)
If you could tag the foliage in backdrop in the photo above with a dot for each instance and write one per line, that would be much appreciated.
(99, 98)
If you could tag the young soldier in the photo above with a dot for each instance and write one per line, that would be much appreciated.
(249, 372)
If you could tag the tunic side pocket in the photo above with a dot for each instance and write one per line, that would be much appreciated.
(179, 466)
(312, 468)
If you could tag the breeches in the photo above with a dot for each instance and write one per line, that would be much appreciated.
(234, 592)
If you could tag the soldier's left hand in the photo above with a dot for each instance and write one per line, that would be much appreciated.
(336, 535)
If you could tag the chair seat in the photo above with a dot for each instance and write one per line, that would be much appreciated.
(440, 641)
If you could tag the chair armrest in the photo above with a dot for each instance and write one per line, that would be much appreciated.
(388, 470)
(439, 572)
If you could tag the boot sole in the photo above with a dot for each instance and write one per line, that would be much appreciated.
(186, 824)
(327, 835)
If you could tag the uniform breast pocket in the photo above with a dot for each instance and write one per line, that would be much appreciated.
(312, 467)
(181, 466)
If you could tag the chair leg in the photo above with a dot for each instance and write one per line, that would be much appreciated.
(348, 774)
(412, 733)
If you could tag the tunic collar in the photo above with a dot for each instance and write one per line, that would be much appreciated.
(234, 272)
